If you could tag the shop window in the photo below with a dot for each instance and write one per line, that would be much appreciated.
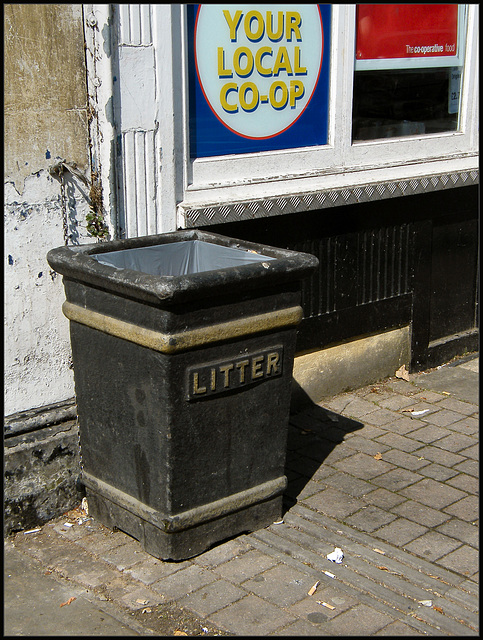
(408, 70)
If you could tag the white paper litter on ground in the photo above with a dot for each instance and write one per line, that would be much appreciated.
(426, 603)
(336, 555)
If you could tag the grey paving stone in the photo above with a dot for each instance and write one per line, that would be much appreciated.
(471, 452)
(384, 498)
(335, 434)
(395, 402)
(351, 622)
(244, 567)
(437, 472)
(365, 445)
(282, 585)
(471, 467)
(442, 418)
(87, 571)
(48, 548)
(402, 443)
(324, 471)
(222, 553)
(404, 425)
(469, 426)
(429, 434)
(308, 468)
(370, 518)
(309, 488)
(358, 408)
(440, 456)
(353, 486)
(300, 628)
(400, 531)
(212, 597)
(368, 432)
(334, 503)
(381, 417)
(463, 531)
(123, 556)
(464, 560)
(363, 466)
(397, 479)
(471, 365)
(465, 509)
(251, 616)
(461, 383)
(138, 597)
(398, 628)
(422, 514)
(339, 402)
(302, 421)
(374, 392)
(340, 600)
(457, 405)
(435, 494)
(302, 488)
(455, 442)
(465, 482)
(71, 560)
(410, 461)
(429, 396)
(102, 541)
(433, 545)
(325, 451)
(182, 582)
(152, 569)
(32, 601)
(401, 386)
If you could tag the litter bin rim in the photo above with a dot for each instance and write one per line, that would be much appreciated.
(76, 263)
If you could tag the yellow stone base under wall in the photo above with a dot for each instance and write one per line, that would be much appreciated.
(349, 365)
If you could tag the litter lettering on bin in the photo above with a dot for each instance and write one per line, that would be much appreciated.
(221, 377)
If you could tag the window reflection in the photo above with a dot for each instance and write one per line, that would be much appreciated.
(403, 102)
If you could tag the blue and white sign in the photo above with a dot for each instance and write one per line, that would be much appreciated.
(259, 77)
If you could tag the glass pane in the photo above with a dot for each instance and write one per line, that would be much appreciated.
(403, 102)
(258, 77)
(408, 70)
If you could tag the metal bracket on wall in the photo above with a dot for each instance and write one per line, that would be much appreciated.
(267, 207)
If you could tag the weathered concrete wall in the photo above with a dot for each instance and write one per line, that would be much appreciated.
(45, 120)
(45, 88)
(41, 476)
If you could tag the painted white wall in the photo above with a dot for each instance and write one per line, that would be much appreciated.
(36, 333)
(135, 85)
(46, 119)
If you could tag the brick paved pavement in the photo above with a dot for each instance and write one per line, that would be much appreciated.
(387, 473)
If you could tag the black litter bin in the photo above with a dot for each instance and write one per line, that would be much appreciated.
(183, 347)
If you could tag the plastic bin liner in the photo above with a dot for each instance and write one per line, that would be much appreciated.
(179, 258)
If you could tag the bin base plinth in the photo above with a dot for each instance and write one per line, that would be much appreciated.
(187, 543)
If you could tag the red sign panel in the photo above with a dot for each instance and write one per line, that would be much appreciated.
(387, 31)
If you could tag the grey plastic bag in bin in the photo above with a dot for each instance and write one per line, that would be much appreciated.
(179, 258)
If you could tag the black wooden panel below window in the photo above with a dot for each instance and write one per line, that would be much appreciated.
(321, 331)
(453, 277)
